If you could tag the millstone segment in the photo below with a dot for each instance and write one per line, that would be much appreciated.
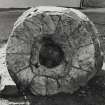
(52, 50)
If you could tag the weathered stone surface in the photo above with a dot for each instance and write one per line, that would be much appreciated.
(97, 16)
(38, 85)
(52, 50)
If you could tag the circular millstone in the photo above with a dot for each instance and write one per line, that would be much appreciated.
(52, 50)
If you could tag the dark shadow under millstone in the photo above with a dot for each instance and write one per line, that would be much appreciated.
(50, 55)
(92, 94)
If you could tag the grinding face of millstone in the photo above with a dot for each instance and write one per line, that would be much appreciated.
(52, 50)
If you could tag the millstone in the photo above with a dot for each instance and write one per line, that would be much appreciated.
(52, 50)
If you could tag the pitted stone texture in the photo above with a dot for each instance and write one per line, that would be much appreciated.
(42, 29)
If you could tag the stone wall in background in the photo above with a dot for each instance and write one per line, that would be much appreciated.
(94, 3)
(7, 19)
(34, 3)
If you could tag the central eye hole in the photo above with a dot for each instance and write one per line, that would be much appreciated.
(50, 55)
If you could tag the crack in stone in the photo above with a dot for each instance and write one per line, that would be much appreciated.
(35, 91)
(36, 65)
(32, 69)
(18, 53)
(56, 79)
(85, 45)
(22, 69)
(79, 68)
